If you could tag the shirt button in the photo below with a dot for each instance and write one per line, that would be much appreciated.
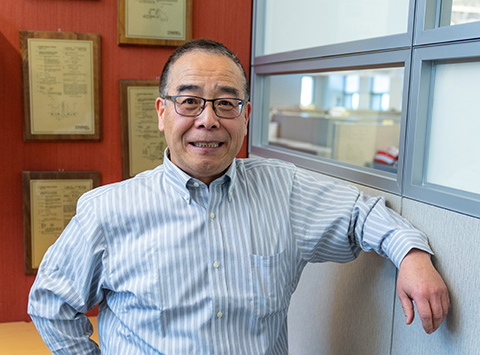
(219, 315)
(196, 184)
(216, 265)
(212, 215)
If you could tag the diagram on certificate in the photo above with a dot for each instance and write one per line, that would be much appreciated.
(158, 19)
(61, 86)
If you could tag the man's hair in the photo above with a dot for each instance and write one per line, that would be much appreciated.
(203, 45)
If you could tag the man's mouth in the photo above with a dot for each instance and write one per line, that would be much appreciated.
(206, 144)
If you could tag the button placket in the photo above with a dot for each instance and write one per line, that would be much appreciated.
(214, 220)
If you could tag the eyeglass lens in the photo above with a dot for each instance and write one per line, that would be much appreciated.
(193, 106)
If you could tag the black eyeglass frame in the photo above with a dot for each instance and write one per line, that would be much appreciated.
(241, 103)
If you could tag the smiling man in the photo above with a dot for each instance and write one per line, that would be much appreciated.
(201, 255)
(204, 137)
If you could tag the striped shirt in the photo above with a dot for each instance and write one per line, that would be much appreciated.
(181, 268)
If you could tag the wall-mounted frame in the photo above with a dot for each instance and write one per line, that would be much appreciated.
(61, 85)
(49, 202)
(159, 23)
(142, 143)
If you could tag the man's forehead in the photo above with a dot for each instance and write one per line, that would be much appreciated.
(193, 70)
(203, 60)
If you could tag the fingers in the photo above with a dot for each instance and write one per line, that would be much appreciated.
(427, 315)
(432, 313)
(407, 306)
(439, 310)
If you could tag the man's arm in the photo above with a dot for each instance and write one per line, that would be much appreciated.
(419, 281)
(68, 284)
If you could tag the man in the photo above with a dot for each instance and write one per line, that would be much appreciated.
(202, 254)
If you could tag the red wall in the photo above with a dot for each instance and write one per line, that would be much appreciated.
(225, 21)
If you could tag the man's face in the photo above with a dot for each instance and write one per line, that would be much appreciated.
(203, 146)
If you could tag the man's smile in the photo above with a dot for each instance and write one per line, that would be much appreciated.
(206, 144)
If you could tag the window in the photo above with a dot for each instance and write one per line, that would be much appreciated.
(442, 166)
(351, 96)
(452, 142)
(456, 12)
(322, 125)
(306, 94)
(380, 94)
(286, 26)
(441, 21)
(371, 102)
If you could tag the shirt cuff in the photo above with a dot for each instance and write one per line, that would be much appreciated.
(400, 242)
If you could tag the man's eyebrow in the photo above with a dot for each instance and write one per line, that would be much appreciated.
(189, 87)
(224, 90)
(229, 90)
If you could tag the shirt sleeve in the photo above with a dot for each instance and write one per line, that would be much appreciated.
(69, 284)
(334, 222)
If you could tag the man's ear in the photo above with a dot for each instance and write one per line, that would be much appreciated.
(247, 111)
(160, 106)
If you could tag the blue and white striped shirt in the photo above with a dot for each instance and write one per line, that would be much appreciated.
(181, 268)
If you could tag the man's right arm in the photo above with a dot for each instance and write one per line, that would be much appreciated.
(68, 284)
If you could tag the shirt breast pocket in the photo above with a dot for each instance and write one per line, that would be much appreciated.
(269, 284)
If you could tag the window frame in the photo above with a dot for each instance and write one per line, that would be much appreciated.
(390, 42)
(424, 41)
(428, 31)
(419, 111)
(367, 176)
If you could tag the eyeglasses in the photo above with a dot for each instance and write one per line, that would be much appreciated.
(192, 106)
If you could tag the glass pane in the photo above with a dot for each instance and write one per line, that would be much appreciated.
(352, 83)
(456, 12)
(340, 123)
(306, 96)
(452, 150)
(290, 25)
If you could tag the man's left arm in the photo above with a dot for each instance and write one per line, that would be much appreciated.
(391, 235)
(419, 281)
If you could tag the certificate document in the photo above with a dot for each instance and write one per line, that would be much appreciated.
(146, 142)
(155, 19)
(53, 204)
(61, 74)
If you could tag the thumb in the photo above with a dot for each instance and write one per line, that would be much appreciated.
(407, 306)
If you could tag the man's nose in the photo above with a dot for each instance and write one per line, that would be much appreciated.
(208, 118)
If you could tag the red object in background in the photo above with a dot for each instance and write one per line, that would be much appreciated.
(389, 156)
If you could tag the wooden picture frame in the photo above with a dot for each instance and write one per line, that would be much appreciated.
(61, 85)
(163, 23)
(49, 202)
(143, 145)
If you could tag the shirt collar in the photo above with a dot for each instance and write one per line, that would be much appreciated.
(180, 180)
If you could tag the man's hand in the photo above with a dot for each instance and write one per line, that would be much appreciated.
(419, 281)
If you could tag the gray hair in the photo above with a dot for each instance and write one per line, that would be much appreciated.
(204, 45)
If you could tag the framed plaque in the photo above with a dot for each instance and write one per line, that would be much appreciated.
(143, 144)
(49, 202)
(61, 85)
(154, 22)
